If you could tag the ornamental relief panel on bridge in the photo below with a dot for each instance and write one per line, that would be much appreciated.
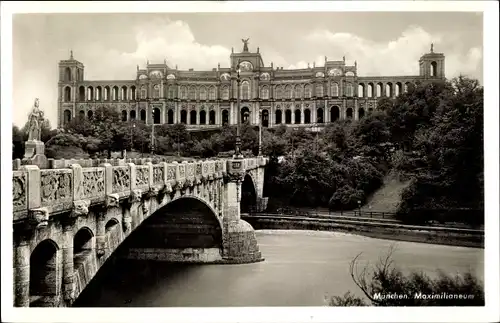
(93, 183)
(19, 190)
(158, 174)
(142, 175)
(121, 179)
(56, 186)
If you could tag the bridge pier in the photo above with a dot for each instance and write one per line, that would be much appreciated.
(22, 270)
(239, 240)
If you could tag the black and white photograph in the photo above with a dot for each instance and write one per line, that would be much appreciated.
(245, 161)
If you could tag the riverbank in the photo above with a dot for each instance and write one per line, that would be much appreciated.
(374, 229)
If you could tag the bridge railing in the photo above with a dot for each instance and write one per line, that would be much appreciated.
(50, 191)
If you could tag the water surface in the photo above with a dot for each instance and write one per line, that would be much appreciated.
(300, 269)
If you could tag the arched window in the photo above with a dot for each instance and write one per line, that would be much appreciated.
(279, 116)
(319, 90)
(433, 69)
(320, 118)
(349, 113)
(225, 92)
(81, 93)
(307, 91)
(225, 117)
(82, 114)
(124, 93)
(288, 92)
(67, 94)
(388, 90)
(67, 116)
(298, 91)
(133, 93)
(203, 93)
(90, 114)
(115, 93)
(264, 92)
(67, 74)
(203, 117)
(361, 90)
(211, 117)
(107, 93)
(170, 116)
(98, 93)
(211, 93)
(192, 117)
(379, 90)
(171, 92)
(156, 91)
(334, 113)
(245, 115)
(298, 116)
(265, 118)
(335, 89)
(132, 115)
(124, 115)
(82, 246)
(288, 116)
(278, 92)
(144, 93)
(398, 89)
(370, 90)
(245, 90)
(407, 85)
(156, 116)
(90, 93)
(192, 93)
(143, 115)
(307, 116)
(348, 89)
(183, 93)
(361, 113)
(183, 116)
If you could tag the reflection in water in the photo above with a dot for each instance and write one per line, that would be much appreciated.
(301, 267)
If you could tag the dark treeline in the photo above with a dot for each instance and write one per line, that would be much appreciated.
(432, 135)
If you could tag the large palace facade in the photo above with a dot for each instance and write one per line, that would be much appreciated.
(308, 97)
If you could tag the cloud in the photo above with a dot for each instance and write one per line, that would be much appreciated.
(156, 41)
(396, 57)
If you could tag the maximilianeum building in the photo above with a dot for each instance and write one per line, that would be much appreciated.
(308, 97)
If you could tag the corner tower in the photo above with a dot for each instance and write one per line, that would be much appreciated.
(432, 65)
(70, 73)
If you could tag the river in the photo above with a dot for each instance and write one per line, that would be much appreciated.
(300, 269)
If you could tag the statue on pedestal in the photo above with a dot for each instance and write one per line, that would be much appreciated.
(34, 148)
(35, 122)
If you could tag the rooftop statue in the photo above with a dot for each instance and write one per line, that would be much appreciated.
(245, 44)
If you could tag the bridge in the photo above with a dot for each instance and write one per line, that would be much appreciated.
(73, 216)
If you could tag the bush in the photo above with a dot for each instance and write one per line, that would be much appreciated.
(415, 289)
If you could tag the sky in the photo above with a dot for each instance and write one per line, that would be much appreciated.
(112, 45)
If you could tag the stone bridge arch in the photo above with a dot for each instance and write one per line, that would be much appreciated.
(186, 229)
(64, 234)
(248, 203)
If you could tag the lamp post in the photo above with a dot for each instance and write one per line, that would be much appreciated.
(359, 207)
(153, 132)
(260, 132)
(237, 151)
(132, 136)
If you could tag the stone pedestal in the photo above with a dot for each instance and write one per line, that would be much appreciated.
(34, 154)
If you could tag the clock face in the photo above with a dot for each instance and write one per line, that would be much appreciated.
(265, 77)
(334, 72)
